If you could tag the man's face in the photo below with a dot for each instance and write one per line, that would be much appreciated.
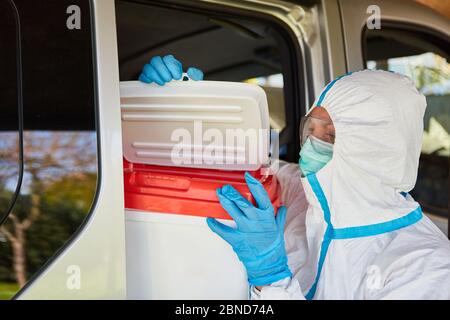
(318, 124)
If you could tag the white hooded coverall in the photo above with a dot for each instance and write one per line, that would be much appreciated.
(352, 229)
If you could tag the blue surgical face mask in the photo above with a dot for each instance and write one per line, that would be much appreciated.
(314, 155)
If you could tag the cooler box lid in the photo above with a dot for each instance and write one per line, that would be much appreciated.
(196, 124)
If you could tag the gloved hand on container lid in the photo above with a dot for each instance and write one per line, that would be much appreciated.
(259, 238)
(163, 70)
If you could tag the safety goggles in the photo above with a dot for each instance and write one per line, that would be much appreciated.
(321, 129)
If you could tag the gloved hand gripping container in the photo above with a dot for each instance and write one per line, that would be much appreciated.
(181, 142)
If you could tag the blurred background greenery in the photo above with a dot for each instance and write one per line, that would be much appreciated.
(57, 192)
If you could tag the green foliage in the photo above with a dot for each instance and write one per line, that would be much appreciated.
(426, 76)
(8, 290)
(64, 205)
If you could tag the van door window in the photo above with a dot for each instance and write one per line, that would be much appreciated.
(424, 58)
(59, 138)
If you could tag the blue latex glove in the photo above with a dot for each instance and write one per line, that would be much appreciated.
(163, 70)
(259, 238)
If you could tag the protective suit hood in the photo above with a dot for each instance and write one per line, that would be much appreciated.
(378, 118)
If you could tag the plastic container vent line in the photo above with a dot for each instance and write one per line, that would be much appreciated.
(152, 114)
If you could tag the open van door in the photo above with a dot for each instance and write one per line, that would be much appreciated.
(70, 77)
(72, 156)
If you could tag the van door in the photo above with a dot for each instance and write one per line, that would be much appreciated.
(415, 41)
(63, 231)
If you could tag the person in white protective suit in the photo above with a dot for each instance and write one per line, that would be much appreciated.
(348, 228)
(352, 231)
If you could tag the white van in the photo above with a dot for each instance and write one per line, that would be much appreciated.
(74, 215)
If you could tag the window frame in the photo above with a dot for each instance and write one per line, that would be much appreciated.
(405, 26)
(4, 215)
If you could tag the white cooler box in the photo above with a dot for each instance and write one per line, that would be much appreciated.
(171, 252)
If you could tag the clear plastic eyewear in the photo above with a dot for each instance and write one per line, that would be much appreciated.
(321, 129)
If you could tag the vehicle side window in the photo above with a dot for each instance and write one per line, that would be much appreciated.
(10, 151)
(423, 58)
(273, 86)
(60, 161)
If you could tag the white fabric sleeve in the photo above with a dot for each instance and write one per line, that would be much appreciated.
(421, 269)
(293, 197)
(288, 177)
(284, 289)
